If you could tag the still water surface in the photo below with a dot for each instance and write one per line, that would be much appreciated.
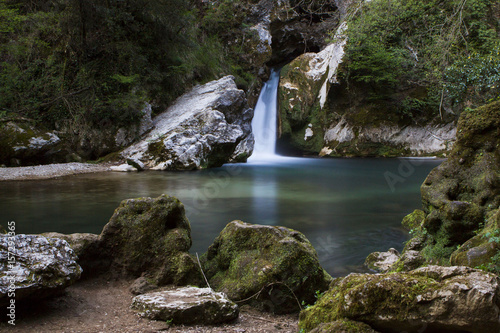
(345, 207)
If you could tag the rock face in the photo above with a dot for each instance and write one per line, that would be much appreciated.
(33, 266)
(23, 144)
(204, 128)
(188, 305)
(302, 93)
(461, 196)
(263, 265)
(432, 298)
(314, 119)
(151, 236)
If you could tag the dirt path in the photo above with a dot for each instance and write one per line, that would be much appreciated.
(98, 305)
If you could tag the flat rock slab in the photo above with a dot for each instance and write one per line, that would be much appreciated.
(187, 305)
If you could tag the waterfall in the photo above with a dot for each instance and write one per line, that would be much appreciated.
(264, 120)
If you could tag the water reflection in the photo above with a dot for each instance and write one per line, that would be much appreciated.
(345, 207)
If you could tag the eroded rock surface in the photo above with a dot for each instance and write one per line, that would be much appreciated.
(33, 266)
(203, 128)
(187, 305)
(433, 298)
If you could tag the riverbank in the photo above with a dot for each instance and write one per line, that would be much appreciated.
(49, 171)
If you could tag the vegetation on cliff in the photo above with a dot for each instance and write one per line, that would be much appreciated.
(444, 55)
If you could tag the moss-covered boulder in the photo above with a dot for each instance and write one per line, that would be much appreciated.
(151, 236)
(273, 268)
(458, 195)
(482, 250)
(434, 299)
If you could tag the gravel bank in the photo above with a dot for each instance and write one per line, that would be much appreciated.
(50, 171)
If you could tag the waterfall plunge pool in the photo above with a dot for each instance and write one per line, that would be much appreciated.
(347, 208)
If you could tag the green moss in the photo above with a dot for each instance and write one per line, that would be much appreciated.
(265, 266)
(152, 236)
(364, 297)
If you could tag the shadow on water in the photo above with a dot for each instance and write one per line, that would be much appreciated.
(346, 207)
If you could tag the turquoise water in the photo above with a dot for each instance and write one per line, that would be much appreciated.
(347, 208)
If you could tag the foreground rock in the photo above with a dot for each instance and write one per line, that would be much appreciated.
(188, 305)
(35, 267)
(206, 127)
(272, 268)
(431, 298)
(152, 237)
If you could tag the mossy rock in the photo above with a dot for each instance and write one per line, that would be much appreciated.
(480, 250)
(458, 195)
(343, 326)
(272, 268)
(151, 236)
(424, 299)
(414, 220)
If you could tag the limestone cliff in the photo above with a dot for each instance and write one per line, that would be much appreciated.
(321, 115)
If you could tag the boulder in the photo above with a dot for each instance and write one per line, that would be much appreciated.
(87, 249)
(34, 267)
(203, 128)
(433, 298)
(151, 236)
(382, 261)
(187, 305)
(272, 268)
(25, 144)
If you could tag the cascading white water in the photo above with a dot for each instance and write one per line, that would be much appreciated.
(264, 120)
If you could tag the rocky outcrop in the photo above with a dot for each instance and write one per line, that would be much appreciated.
(272, 268)
(33, 266)
(203, 128)
(461, 196)
(302, 93)
(314, 119)
(432, 298)
(187, 305)
(24, 144)
(151, 237)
